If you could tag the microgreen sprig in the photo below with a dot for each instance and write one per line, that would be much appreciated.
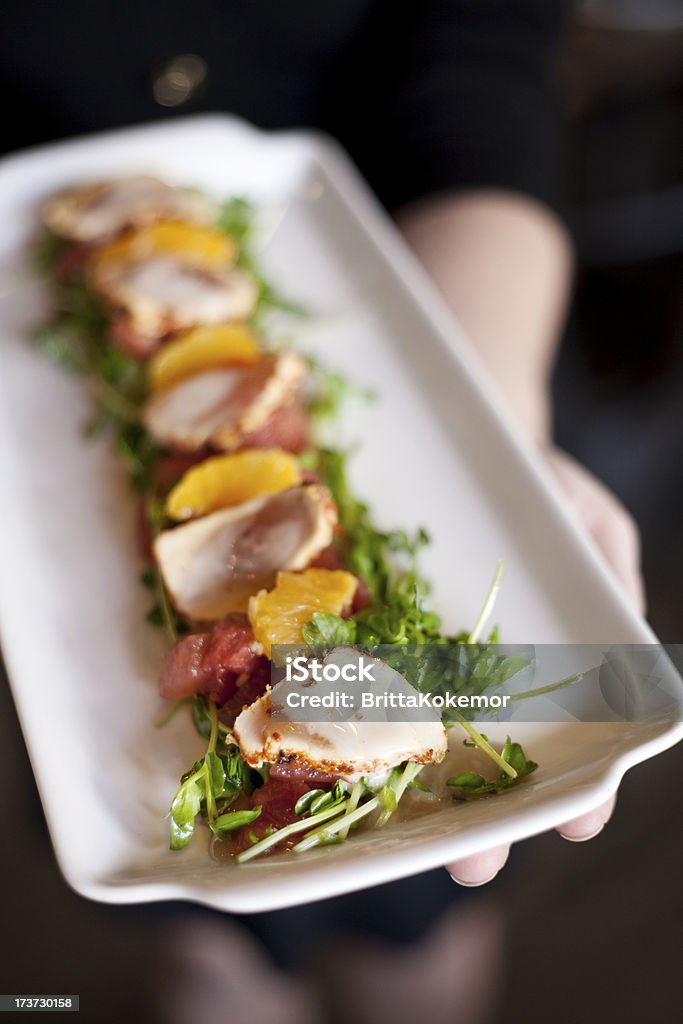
(212, 784)
(472, 786)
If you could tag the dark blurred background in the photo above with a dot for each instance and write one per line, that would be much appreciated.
(567, 932)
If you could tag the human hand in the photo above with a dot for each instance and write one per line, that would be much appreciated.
(483, 867)
(604, 518)
(612, 528)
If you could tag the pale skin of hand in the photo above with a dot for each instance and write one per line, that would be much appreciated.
(503, 263)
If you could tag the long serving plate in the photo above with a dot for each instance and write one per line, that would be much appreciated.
(436, 450)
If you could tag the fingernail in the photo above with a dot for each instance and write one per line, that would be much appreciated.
(474, 885)
(582, 839)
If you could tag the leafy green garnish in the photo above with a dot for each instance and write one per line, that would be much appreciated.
(210, 787)
(238, 775)
(397, 625)
(303, 824)
(387, 803)
(185, 808)
(416, 784)
(48, 251)
(162, 613)
(454, 667)
(473, 786)
(201, 716)
(233, 820)
(303, 804)
(78, 341)
(235, 219)
(328, 631)
(140, 454)
(328, 817)
(61, 347)
(487, 607)
(379, 557)
(399, 780)
(330, 392)
(269, 298)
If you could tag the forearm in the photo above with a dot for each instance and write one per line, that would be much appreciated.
(503, 264)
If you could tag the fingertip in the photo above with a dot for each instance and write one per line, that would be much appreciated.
(579, 838)
(472, 885)
(587, 826)
(479, 869)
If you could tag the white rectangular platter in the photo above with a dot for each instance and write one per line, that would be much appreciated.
(436, 450)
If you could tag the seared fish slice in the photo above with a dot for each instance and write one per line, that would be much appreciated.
(220, 407)
(99, 211)
(346, 749)
(166, 293)
(211, 566)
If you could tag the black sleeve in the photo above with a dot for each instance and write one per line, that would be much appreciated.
(457, 94)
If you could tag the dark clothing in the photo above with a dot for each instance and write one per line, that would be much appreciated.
(427, 96)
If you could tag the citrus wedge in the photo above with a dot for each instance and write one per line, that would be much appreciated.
(226, 480)
(202, 348)
(200, 246)
(278, 615)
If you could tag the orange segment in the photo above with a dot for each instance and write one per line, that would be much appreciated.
(202, 348)
(278, 615)
(226, 480)
(200, 246)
